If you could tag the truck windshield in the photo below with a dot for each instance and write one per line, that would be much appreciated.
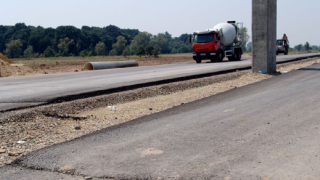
(279, 43)
(202, 38)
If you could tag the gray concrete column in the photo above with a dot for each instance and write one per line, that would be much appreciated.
(264, 36)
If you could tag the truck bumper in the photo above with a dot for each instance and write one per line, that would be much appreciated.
(280, 50)
(204, 55)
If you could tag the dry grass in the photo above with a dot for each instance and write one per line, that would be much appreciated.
(37, 62)
(54, 65)
(303, 52)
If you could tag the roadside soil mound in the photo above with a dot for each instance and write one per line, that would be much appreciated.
(4, 58)
(7, 69)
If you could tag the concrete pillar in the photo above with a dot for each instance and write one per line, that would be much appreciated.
(264, 36)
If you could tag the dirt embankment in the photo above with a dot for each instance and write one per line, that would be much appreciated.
(4, 58)
(63, 64)
(9, 68)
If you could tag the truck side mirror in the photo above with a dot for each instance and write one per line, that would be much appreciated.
(189, 38)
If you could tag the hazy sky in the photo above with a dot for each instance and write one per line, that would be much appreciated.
(298, 19)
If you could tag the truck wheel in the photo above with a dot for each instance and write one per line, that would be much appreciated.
(234, 56)
(239, 56)
(198, 61)
(220, 56)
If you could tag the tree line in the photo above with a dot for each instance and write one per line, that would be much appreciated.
(305, 47)
(21, 40)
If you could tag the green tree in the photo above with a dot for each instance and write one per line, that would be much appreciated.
(155, 52)
(85, 38)
(243, 37)
(36, 55)
(131, 48)
(183, 48)
(49, 52)
(314, 47)
(249, 47)
(120, 45)
(139, 51)
(21, 32)
(125, 53)
(14, 48)
(298, 47)
(142, 39)
(131, 32)
(41, 38)
(74, 35)
(28, 52)
(84, 53)
(161, 41)
(64, 46)
(113, 52)
(174, 51)
(307, 46)
(91, 53)
(149, 50)
(180, 44)
(100, 49)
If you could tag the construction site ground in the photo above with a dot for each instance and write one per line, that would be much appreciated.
(26, 130)
(53, 65)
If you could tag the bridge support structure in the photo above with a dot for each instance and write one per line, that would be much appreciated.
(264, 36)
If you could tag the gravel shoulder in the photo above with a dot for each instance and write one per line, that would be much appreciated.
(30, 129)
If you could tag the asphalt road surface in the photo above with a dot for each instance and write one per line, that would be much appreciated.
(267, 130)
(16, 92)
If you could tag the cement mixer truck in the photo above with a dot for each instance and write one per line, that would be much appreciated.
(216, 43)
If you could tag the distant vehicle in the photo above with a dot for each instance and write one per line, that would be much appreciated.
(216, 43)
(283, 45)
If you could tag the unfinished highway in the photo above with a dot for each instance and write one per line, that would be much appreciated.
(19, 92)
(266, 130)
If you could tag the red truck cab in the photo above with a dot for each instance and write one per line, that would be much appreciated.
(206, 45)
